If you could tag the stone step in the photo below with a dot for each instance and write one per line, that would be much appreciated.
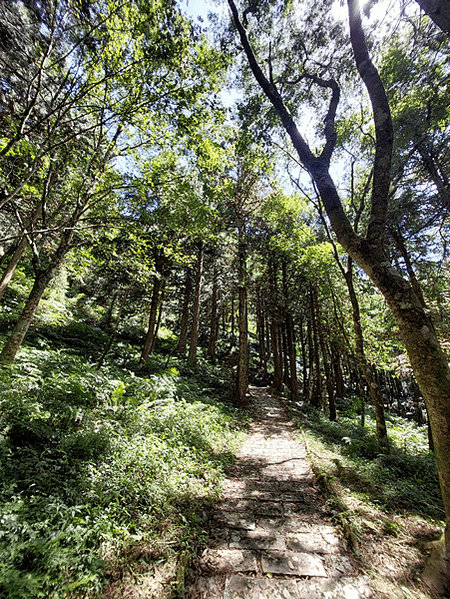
(244, 587)
(275, 561)
(238, 586)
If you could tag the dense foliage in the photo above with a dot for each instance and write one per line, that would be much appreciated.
(163, 246)
(96, 463)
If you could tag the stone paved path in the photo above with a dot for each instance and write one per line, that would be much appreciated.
(269, 536)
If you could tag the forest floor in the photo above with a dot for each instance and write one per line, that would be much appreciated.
(271, 534)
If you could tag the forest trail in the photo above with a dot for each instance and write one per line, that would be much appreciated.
(269, 536)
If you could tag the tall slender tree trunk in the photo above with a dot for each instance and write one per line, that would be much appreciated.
(277, 357)
(374, 388)
(304, 360)
(184, 324)
(323, 348)
(290, 338)
(241, 386)
(315, 385)
(41, 282)
(192, 357)
(20, 247)
(149, 338)
(160, 311)
(275, 333)
(113, 336)
(338, 376)
(401, 247)
(214, 321)
(232, 321)
(261, 331)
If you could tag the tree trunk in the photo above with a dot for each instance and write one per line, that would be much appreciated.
(326, 363)
(17, 336)
(275, 334)
(20, 247)
(41, 282)
(149, 339)
(438, 11)
(232, 321)
(315, 378)
(277, 382)
(214, 322)
(304, 364)
(261, 331)
(338, 376)
(184, 325)
(241, 387)
(374, 388)
(290, 338)
(9, 271)
(116, 328)
(192, 357)
(400, 244)
(160, 311)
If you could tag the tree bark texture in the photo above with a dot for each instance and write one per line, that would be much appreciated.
(315, 377)
(9, 271)
(149, 338)
(291, 353)
(326, 362)
(43, 278)
(214, 321)
(438, 11)
(241, 387)
(401, 247)
(17, 336)
(184, 324)
(193, 346)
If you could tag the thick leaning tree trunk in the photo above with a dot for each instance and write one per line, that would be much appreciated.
(17, 336)
(427, 359)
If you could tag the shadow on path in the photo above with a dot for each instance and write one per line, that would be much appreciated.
(269, 536)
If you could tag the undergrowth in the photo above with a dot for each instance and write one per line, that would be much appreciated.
(96, 463)
(404, 480)
(389, 507)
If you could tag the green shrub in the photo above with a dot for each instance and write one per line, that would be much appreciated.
(92, 462)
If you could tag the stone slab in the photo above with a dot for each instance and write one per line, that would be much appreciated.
(338, 566)
(265, 508)
(244, 587)
(313, 541)
(290, 563)
(222, 561)
(237, 520)
(207, 587)
(257, 539)
(218, 538)
(285, 525)
(343, 588)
